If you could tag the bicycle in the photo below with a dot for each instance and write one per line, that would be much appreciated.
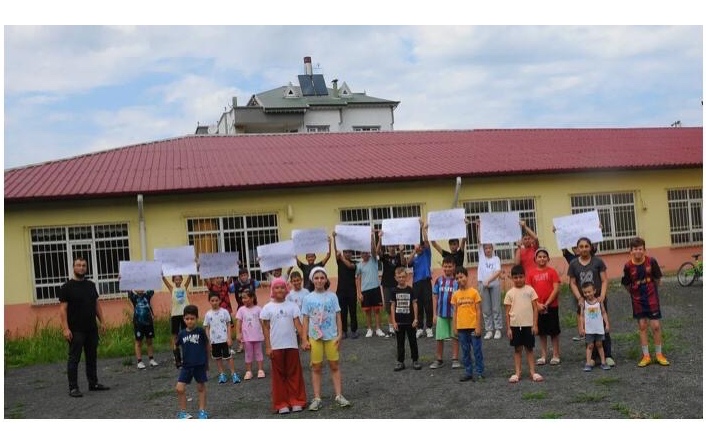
(690, 271)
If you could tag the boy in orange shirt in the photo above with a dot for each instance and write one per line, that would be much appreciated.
(467, 325)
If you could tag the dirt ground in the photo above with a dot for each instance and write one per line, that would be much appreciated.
(376, 392)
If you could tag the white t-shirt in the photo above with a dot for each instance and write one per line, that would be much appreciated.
(297, 297)
(281, 315)
(217, 322)
(593, 318)
(487, 266)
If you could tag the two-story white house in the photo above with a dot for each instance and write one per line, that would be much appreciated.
(310, 107)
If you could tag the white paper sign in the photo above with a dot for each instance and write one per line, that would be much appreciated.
(400, 231)
(310, 241)
(351, 237)
(218, 264)
(448, 224)
(140, 275)
(572, 227)
(177, 260)
(276, 255)
(500, 227)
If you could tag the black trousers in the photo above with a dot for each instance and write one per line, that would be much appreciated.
(349, 309)
(88, 343)
(410, 333)
(422, 290)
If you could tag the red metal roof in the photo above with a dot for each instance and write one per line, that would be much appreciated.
(214, 163)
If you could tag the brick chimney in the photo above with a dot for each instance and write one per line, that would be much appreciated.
(307, 66)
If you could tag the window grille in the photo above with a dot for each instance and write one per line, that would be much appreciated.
(54, 250)
(616, 212)
(234, 233)
(473, 209)
(685, 216)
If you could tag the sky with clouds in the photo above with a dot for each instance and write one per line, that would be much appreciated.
(72, 90)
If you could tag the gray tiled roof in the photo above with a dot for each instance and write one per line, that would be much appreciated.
(274, 99)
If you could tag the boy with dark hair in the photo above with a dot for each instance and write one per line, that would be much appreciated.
(404, 319)
(143, 325)
(641, 277)
(457, 250)
(444, 286)
(467, 325)
(521, 320)
(220, 326)
(195, 349)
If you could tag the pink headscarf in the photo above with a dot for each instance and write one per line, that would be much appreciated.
(278, 281)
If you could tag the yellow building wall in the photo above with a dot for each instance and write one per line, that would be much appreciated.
(311, 207)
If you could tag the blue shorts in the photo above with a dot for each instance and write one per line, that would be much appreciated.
(197, 373)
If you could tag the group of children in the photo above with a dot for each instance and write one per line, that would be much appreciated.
(298, 319)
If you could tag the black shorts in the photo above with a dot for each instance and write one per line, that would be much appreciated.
(372, 299)
(522, 337)
(143, 331)
(388, 295)
(177, 324)
(548, 323)
(220, 351)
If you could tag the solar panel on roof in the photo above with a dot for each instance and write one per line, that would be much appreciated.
(307, 85)
(313, 85)
(320, 85)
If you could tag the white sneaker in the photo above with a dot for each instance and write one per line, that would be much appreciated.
(379, 332)
(488, 335)
(141, 365)
(369, 334)
(498, 334)
(420, 333)
(430, 334)
(153, 363)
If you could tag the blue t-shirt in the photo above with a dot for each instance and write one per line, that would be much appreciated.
(443, 288)
(143, 310)
(421, 265)
(368, 272)
(322, 309)
(193, 344)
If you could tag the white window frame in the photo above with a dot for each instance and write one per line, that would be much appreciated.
(617, 214)
(526, 206)
(54, 248)
(217, 234)
(318, 128)
(685, 216)
(366, 128)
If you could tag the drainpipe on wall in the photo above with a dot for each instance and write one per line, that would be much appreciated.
(141, 220)
(458, 189)
(392, 116)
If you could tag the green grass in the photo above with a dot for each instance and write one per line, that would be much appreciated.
(551, 415)
(46, 344)
(632, 414)
(589, 397)
(15, 412)
(607, 381)
(540, 395)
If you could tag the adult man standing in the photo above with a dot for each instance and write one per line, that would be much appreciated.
(79, 308)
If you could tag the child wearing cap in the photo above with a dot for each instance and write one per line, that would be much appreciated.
(545, 281)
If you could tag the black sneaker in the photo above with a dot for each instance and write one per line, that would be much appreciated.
(345, 335)
(416, 365)
(399, 366)
(354, 335)
(75, 393)
(98, 387)
(466, 378)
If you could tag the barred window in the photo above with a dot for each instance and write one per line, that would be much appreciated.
(685, 217)
(616, 212)
(505, 251)
(234, 233)
(55, 248)
(373, 216)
